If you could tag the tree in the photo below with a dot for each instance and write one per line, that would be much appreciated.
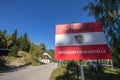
(108, 13)
(36, 50)
(13, 44)
(3, 44)
(24, 43)
(14, 38)
(3, 41)
(9, 41)
(51, 52)
(32, 51)
(32, 48)
(40, 49)
(14, 51)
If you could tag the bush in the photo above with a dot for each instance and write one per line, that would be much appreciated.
(14, 51)
(2, 63)
(34, 57)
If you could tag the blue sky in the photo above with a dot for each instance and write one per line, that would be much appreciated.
(38, 18)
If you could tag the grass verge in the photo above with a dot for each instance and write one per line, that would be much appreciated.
(57, 73)
(104, 73)
(64, 73)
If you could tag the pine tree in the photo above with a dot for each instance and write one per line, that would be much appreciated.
(25, 43)
(3, 41)
(14, 38)
(9, 41)
(13, 46)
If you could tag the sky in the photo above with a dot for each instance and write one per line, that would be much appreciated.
(38, 18)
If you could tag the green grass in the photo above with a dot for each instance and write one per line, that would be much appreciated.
(112, 71)
(62, 73)
(57, 73)
(104, 73)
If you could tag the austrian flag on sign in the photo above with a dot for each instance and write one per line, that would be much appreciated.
(81, 41)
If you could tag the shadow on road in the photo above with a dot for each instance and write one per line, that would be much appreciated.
(15, 68)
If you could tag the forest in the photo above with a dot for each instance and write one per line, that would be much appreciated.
(12, 46)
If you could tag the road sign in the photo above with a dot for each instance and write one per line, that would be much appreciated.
(80, 41)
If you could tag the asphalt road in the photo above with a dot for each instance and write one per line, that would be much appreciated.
(30, 73)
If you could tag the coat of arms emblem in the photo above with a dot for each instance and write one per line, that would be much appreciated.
(79, 39)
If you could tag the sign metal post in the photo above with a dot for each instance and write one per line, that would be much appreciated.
(81, 70)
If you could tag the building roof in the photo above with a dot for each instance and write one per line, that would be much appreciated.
(47, 55)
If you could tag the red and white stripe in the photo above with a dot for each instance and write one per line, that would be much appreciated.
(94, 45)
(91, 38)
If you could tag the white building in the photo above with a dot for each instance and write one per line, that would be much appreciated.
(46, 58)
